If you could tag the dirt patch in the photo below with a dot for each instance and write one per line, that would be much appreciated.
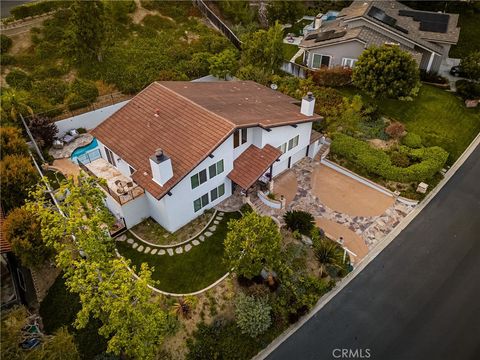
(352, 241)
(20, 43)
(215, 303)
(346, 195)
(66, 167)
(140, 13)
(382, 144)
(44, 278)
(286, 184)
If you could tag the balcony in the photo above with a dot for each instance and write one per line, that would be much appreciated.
(120, 187)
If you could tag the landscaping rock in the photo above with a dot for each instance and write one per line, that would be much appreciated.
(130, 241)
(122, 237)
(188, 247)
(154, 251)
(208, 234)
(134, 245)
(216, 222)
(170, 252)
(179, 250)
(220, 213)
(162, 252)
(195, 242)
(140, 248)
(147, 250)
(306, 240)
(201, 238)
(212, 228)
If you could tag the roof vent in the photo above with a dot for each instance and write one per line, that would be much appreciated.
(157, 113)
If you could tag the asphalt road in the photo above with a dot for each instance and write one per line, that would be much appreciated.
(419, 298)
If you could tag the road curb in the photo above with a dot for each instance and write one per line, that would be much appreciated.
(381, 245)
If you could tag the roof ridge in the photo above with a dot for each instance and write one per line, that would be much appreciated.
(196, 104)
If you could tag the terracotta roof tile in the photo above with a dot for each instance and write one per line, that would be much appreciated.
(193, 120)
(252, 164)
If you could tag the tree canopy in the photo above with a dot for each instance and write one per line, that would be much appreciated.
(12, 142)
(387, 71)
(252, 243)
(223, 64)
(285, 11)
(470, 64)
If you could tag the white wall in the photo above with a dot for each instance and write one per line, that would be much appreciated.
(121, 164)
(337, 52)
(88, 120)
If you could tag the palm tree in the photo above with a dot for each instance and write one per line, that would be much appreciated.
(328, 253)
(15, 102)
(183, 307)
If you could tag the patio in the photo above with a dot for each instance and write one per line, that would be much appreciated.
(119, 186)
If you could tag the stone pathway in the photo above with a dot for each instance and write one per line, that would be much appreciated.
(177, 249)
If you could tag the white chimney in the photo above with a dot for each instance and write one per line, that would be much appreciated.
(161, 165)
(308, 105)
(318, 21)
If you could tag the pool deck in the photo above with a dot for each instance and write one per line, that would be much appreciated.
(68, 149)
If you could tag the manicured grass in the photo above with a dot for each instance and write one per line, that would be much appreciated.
(153, 232)
(59, 308)
(289, 50)
(469, 35)
(190, 271)
(438, 116)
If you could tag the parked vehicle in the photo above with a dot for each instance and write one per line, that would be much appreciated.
(457, 71)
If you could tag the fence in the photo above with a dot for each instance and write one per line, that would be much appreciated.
(219, 24)
(122, 198)
(88, 157)
(295, 69)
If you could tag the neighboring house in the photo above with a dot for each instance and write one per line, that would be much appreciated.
(339, 42)
(179, 148)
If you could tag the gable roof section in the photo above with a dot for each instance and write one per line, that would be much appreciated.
(192, 121)
(252, 163)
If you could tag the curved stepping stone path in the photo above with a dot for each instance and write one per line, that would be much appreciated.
(146, 248)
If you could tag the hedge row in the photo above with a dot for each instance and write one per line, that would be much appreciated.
(37, 8)
(376, 161)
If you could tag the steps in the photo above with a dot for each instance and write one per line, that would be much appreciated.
(322, 153)
(265, 210)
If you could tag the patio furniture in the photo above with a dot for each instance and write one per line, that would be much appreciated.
(130, 184)
(73, 132)
(118, 182)
(57, 144)
(67, 139)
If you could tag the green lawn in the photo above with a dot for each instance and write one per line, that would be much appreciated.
(289, 50)
(190, 271)
(438, 116)
(55, 178)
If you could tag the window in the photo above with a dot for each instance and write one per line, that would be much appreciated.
(346, 62)
(320, 61)
(199, 178)
(110, 156)
(215, 169)
(293, 142)
(200, 202)
(132, 170)
(239, 137)
(217, 192)
(283, 148)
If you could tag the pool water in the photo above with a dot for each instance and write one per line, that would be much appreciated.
(82, 152)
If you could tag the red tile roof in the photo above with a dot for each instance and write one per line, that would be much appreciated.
(189, 120)
(252, 164)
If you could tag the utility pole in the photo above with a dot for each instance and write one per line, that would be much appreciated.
(37, 149)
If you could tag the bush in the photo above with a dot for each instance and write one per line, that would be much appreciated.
(54, 90)
(37, 8)
(19, 79)
(412, 140)
(302, 221)
(7, 59)
(468, 89)
(12, 142)
(375, 161)
(400, 159)
(252, 315)
(5, 43)
(395, 130)
(43, 131)
(158, 23)
(87, 90)
(336, 76)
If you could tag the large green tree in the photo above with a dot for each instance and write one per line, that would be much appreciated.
(285, 11)
(18, 176)
(223, 64)
(12, 142)
(88, 29)
(387, 71)
(264, 49)
(252, 243)
(22, 229)
(134, 324)
(471, 65)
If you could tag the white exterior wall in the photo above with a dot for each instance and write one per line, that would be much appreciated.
(88, 120)
(121, 164)
(250, 140)
(337, 52)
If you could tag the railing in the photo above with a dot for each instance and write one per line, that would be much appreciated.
(89, 156)
(205, 10)
(295, 69)
(123, 198)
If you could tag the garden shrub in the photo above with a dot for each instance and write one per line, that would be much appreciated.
(43, 130)
(158, 23)
(19, 79)
(336, 76)
(37, 8)
(87, 90)
(375, 161)
(178, 10)
(5, 43)
(252, 314)
(395, 130)
(299, 220)
(468, 89)
(432, 77)
(53, 89)
(400, 159)
(412, 140)
(48, 71)
(7, 59)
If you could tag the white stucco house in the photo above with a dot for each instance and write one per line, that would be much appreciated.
(179, 148)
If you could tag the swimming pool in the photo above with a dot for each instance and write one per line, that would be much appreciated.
(86, 153)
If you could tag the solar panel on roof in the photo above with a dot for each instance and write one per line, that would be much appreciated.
(328, 35)
(381, 16)
(432, 22)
